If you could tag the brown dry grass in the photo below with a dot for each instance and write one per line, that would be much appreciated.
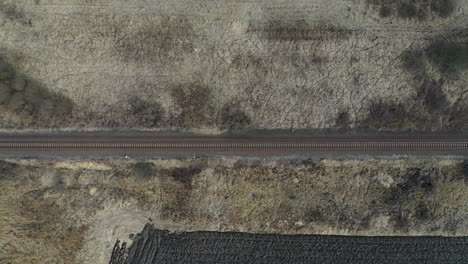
(54, 215)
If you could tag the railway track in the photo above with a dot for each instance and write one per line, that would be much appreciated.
(258, 145)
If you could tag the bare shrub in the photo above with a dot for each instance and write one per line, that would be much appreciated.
(443, 8)
(196, 104)
(30, 99)
(342, 120)
(166, 40)
(147, 114)
(413, 61)
(432, 95)
(414, 9)
(392, 115)
(449, 57)
(233, 118)
(144, 170)
(299, 30)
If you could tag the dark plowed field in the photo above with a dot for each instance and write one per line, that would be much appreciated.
(155, 246)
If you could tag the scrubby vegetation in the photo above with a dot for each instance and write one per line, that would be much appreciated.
(449, 57)
(167, 40)
(412, 191)
(372, 197)
(443, 8)
(414, 61)
(414, 9)
(144, 170)
(28, 98)
(392, 115)
(146, 113)
(299, 30)
(11, 12)
(196, 105)
(233, 118)
(464, 170)
(185, 175)
(458, 118)
(432, 96)
(413, 180)
(342, 120)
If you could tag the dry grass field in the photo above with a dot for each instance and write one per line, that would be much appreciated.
(73, 212)
(211, 66)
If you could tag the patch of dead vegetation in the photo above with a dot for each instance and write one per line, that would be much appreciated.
(440, 62)
(45, 219)
(168, 40)
(32, 226)
(146, 113)
(234, 118)
(30, 101)
(196, 104)
(298, 30)
(420, 10)
(13, 13)
(390, 115)
(57, 221)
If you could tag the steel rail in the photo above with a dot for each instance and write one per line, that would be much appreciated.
(248, 145)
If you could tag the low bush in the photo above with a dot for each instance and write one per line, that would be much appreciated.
(443, 8)
(432, 95)
(233, 118)
(414, 9)
(196, 104)
(449, 57)
(144, 170)
(147, 114)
